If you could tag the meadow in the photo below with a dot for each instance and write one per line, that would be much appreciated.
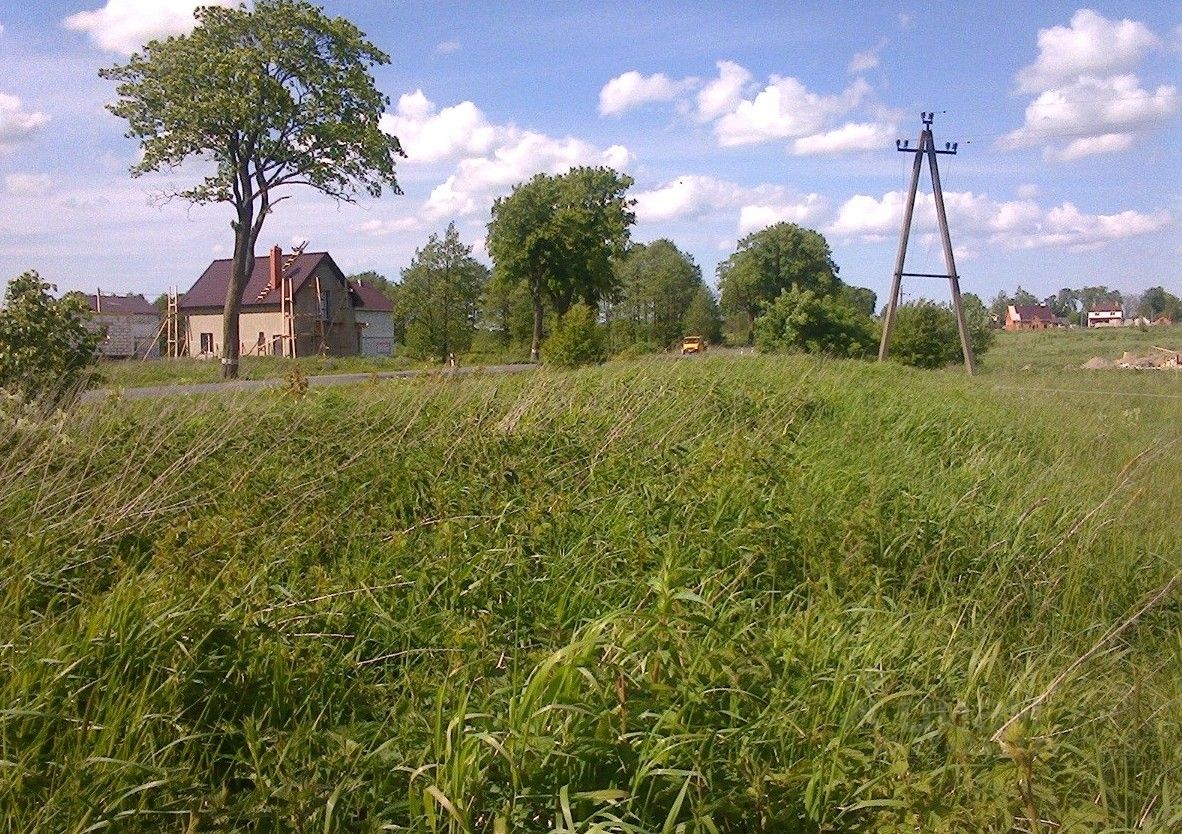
(727, 594)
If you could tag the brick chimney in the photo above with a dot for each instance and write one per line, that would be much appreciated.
(276, 268)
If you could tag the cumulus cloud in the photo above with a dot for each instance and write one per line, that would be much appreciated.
(785, 109)
(694, 196)
(382, 228)
(980, 219)
(869, 59)
(852, 136)
(27, 185)
(1091, 45)
(17, 123)
(430, 135)
(447, 47)
(124, 26)
(1102, 114)
(724, 93)
(631, 89)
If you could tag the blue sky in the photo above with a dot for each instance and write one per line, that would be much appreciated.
(729, 116)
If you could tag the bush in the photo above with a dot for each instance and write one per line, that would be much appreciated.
(926, 335)
(575, 339)
(46, 351)
(802, 320)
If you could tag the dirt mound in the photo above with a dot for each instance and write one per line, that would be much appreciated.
(1157, 359)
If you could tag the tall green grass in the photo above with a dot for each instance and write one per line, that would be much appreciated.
(735, 594)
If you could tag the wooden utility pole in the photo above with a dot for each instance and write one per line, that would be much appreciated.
(926, 146)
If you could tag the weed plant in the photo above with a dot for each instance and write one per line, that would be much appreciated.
(731, 594)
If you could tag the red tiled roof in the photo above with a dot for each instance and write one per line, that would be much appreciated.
(210, 288)
(122, 304)
(1030, 312)
(371, 298)
(1106, 307)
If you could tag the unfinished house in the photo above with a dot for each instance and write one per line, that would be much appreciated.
(298, 305)
(1031, 317)
(131, 323)
(375, 316)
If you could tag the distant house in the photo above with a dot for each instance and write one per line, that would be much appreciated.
(1107, 314)
(1031, 317)
(131, 323)
(301, 305)
(375, 317)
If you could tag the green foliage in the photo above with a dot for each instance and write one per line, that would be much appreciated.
(772, 260)
(703, 318)
(558, 236)
(659, 596)
(658, 284)
(47, 352)
(1157, 302)
(926, 334)
(439, 297)
(862, 299)
(801, 320)
(272, 96)
(575, 339)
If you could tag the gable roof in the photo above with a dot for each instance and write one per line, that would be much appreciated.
(1030, 312)
(210, 289)
(121, 304)
(370, 298)
(1106, 307)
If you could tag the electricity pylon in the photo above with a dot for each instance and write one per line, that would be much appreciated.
(926, 147)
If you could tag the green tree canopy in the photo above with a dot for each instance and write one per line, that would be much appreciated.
(559, 235)
(703, 318)
(1157, 302)
(772, 260)
(440, 295)
(658, 283)
(46, 348)
(926, 334)
(275, 96)
(806, 321)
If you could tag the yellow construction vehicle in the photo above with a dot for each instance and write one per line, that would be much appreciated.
(693, 344)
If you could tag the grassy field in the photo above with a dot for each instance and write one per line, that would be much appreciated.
(727, 594)
(135, 373)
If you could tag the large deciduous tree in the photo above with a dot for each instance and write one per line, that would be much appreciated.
(658, 283)
(439, 296)
(559, 235)
(765, 263)
(274, 96)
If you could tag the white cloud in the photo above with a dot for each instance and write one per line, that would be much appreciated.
(124, 26)
(1028, 191)
(724, 93)
(694, 196)
(447, 47)
(980, 219)
(1101, 114)
(869, 59)
(785, 109)
(381, 228)
(631, 90)
(490, 158)
(1091, 45)
(16, 122)
(852, 136)
(431, 135)
(755, 217)
(27, 185)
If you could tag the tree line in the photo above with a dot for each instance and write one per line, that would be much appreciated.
(1072, 305)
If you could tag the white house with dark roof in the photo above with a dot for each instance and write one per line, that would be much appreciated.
(1106, 314)
(131, 324)
(319, 317)
(375, 317)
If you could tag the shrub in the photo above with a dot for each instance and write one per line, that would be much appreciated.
(926, 335)
(46, 351)
(802, 320)
(575, 339)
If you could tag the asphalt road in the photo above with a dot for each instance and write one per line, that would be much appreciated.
(196, 388)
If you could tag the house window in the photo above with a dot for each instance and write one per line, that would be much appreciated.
(277, 345)
(262, 339)
(207, 343)
(325, 304)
